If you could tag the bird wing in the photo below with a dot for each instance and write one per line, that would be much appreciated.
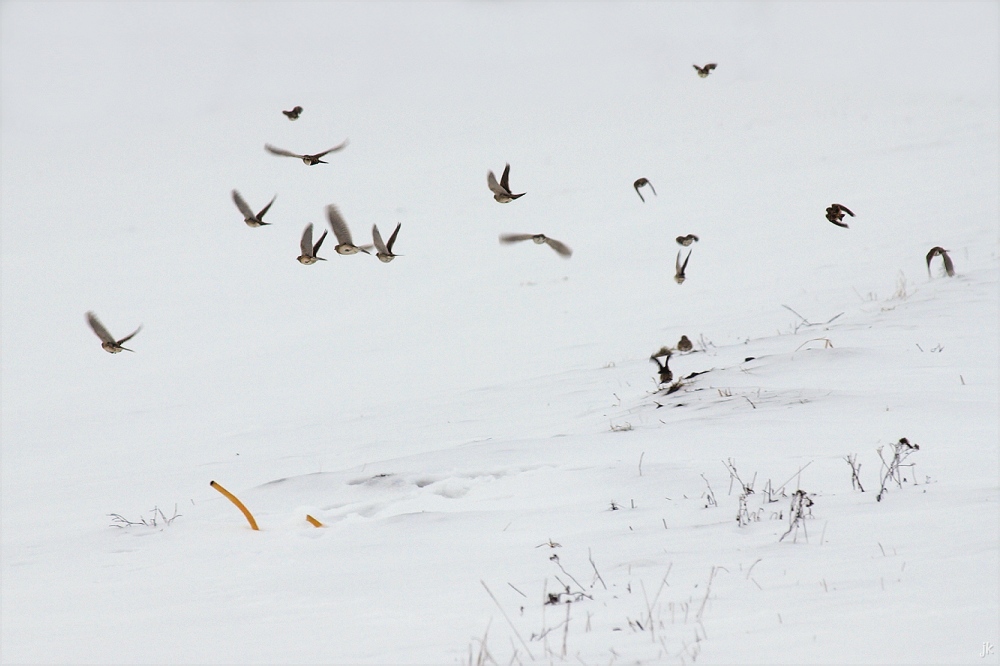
(842, 208)
(685, 264)
(332, 150)
(677, 264)
(710, 65)
(491, 180)
(319, 243)
(392, 238)
(377, 239)
(306, 244)
(559, 247)
(930, 255)
(338, 225)
(242, 205)
(651, 187)
(128, 337)
(838, 222)
(949, 267)
(637, 184)
(514, 238)
(98, 327)
(505, 179)
(263, 211)
(281, 151)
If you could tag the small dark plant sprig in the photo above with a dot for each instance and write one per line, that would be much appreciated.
(852, 460)
(891, 469)
(799, 510)
(709, 494)
(156, 517)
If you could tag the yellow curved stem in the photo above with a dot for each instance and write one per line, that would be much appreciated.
(239, 505)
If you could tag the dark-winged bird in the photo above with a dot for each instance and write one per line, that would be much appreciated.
(501, 191)
(252, 219)
(665, 374)
(835, 214)
(704, 71)
(108, 342)
(687, 240)
(294, 113)
(679, 268)
(539, 239)
(641, 183)
(949, 267)
(684, 345)
(309, 250)
(307, 159)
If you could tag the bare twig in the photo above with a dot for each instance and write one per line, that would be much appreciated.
(505, 616)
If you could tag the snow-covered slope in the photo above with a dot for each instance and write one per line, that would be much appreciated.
(477, 426)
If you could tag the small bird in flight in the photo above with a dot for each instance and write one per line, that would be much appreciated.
(687, 240)
(252, 219)
(539, 239)
(309, 250)
(679, 268)
(835, 214)
(665, 374)
(684, 345)
(294, 113)
(501, 190)
(108, 343)
(344, 243)
(384, 250)
(704, 71)
(640, 183)
(949, 267)
(310, 160)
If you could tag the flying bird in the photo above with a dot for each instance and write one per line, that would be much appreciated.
(108, 342)
(640, 183)
(679, 268)
(665, 374)
(538, 239)
(252, 219)
(835, 214)
(384, 250)
(684, 345)
(501, 190)
(687, 240)
(294, 113)
(307, 159)
(344, 243)
(309, 250)
(704, 71)
(949, 267)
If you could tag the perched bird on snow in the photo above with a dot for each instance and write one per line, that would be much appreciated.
(684, 344)
(344, 243)
(252, 219)
(108, 343)
(294, 113)
(501, 191)
(687, 240)
(665, 374)
(679, 268)
(642, 182)
(835, 214)
(384, 250)
(309, 250)
(538, 239)
(704, 71)
(949, 267)
(310, 160)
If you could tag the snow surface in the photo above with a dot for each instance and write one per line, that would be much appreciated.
(478, 426)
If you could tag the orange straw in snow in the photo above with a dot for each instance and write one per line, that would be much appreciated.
(239, 505)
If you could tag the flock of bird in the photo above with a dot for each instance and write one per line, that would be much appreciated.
(503, 194)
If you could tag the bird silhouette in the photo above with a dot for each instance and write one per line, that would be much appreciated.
(309, 250)
(949, 267)
(704, 71)
(384, 250)
(108, 342)
(501, 191)
(252, 219)
(294, 113)
(311, 160)
(835, 214)
(539, 239)
(640, 183)
(687, 240)
(684, 345)
(665, 374)
(344, 243)
(679, 268)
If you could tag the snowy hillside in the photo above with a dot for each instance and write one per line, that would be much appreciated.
(478, 427)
